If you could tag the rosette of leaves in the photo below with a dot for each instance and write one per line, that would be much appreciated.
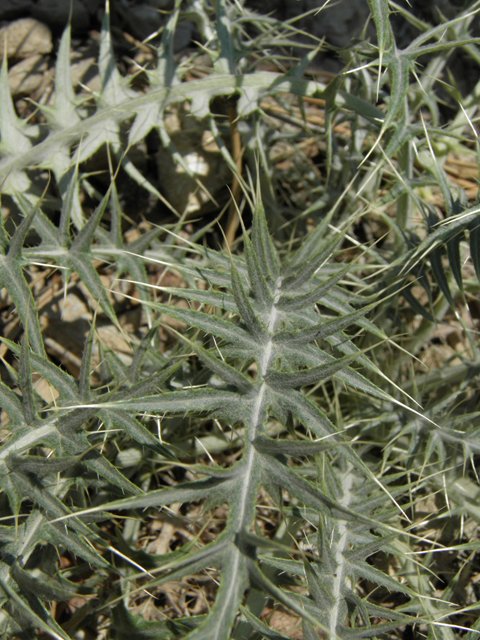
(269, 321)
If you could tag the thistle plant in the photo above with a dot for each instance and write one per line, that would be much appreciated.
(271, 323)
(269, 320)
(268, 412)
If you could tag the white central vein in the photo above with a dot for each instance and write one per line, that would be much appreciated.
(339, 554)
(259, 408)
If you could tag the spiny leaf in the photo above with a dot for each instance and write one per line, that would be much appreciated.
(182, 401)
(296, 302)
(107, 470)
(12, 278)
(113, 85)
(261, 581)
(226, 59)
(63, 238)
(127, 626)
(58, 534)
(289, 447)
(54, 589)
(14, 493)
(313, 418)
(209, 323)
(453, 251)
(18, 238)
(12, 405)
(440, 276)
(217, 299)
(36, 491)
(65, 100)
(26, 387)
(261, 627)
(381, 13)
(138, 432)
(229, 374)
(475, 247)
(262, 242)
(147, 386)
(258, 282)
(189, 492)
(320, 331)
(303, 266)
(38, 615)
(86, 367)
(290, 380)
(245, 308)
(84, 238)
(58, 378)
(13, 139)
(95, 126)
(303, 490)
(40, 466)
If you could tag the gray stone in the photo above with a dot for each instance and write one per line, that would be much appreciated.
(27, 76)
(84, 70)
(163, 5)
(13, 9)
(93, 6)
(143, 20)
(338, 21)
(183, 35)
(200, 154)
(55, 13)
(25, 38)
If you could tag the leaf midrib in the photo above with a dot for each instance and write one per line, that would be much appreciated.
(213, 85)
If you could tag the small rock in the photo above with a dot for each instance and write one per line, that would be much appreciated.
(143, 20)
(25, 38)
(92, 6)
(163, 5)
(84, 69)
(183, 35)
(341, 21)
(200, 154)
(27, 76)
(13, 9)
(338, 22)
(56, 13)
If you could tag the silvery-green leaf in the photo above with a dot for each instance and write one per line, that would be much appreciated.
(138, 432)
(219, 367)
(288, 380)
(35, 612)
(322, 330)
(127, 626)
(11, 404)
(56, 533)
(43, 588)
(302, 266)
(187, 493)
(258, 282)
(209, 323)
(245, 308)
(262, 242)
